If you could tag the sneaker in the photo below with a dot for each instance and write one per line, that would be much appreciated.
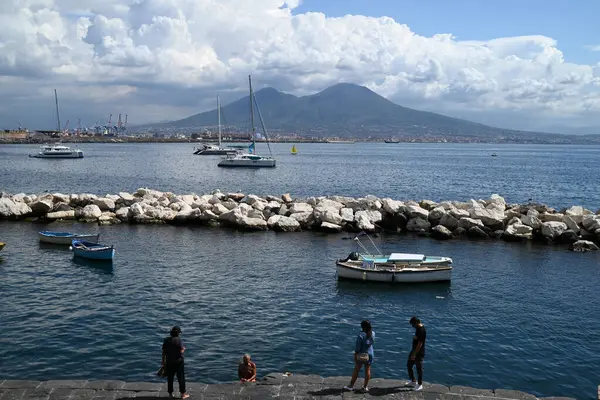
(365, 389)
(410, 383)
(418, 388)
(350, 388)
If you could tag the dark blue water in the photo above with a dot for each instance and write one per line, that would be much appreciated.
(556, 175)
(515, 316)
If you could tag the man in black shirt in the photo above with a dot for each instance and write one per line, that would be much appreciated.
(417, 354)
(172, 350)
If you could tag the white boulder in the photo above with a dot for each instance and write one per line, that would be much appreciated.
(418, 224)
(392, 206)
(105, 204)
(468, 223)
(531, 220)
(300, 208)
(553, 229)
(347, 214)
(91, 212)
(416, 212)
(283, 224)
(519, 231)
(591, 222)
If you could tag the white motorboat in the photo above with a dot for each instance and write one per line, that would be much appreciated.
(251, 159)
(393, 268)
(211, 149)
(57, 151)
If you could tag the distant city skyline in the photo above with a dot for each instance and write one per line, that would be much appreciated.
(530, 65)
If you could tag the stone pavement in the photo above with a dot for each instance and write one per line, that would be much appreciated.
(275, 385)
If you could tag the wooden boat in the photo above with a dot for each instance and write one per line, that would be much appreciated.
(393, 268)
(93, 251)
(2, 244)
(408, 268)
(66, 237)
(294, 151)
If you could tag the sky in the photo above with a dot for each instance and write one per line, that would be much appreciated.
(527, 64)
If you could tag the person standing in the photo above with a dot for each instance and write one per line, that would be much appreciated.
(172, 350)
(247, 369)
(363, 355)
(417, 354)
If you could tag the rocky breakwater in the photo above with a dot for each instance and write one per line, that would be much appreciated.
(475, 219)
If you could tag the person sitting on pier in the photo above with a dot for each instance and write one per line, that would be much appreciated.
(247, 369)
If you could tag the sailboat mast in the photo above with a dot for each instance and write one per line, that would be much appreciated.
(252, 116)
(219, 117)
(57, 113)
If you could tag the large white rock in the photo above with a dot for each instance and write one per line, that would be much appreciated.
(497, 201)
(492, 215)
(232, 216)
(449, 222)
(551, 217)
(219, 209)
(347, 214)
(61, 215)
(86, 198)
(392, 206)
(330, 204)
(283, 224)
(329, 227)
(331, 215)
(435, 215)
(533, 213)
(124, 213)
(300, 208)
(62, 198)
(468, 223)
(207, 215)
(91, 212)
(416, 212)
(570, 222)
(584, 245)
(418, 224)
(286, 198)
(531, 220)
(105, 204)
(253, 223)
(237, 197)
(372, 215)
(591, 222)
(553, 229)
(363, 222)
(519, 230)
(126, 198)
(165, 214)
(459, 213)
(137, 209)
(17, 198)
(304, 218)
(256, 214)
(42, 206)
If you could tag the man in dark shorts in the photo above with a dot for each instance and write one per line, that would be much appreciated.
(172, 350)
(417, 354)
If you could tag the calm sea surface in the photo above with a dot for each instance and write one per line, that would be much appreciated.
(515, 316)
(556, 175)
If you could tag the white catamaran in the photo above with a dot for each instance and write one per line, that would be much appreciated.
(251, 159)
(211, 149)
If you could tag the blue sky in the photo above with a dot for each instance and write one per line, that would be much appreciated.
(573, 23)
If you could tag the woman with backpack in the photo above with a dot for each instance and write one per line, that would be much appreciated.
(363, 355)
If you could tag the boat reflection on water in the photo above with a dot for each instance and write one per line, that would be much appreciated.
(102, 266)
(440, 290)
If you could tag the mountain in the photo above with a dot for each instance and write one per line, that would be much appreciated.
(348, 110)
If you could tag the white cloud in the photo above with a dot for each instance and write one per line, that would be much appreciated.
(159, 59)
(592, 47)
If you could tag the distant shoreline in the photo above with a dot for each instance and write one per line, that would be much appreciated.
(128, 139)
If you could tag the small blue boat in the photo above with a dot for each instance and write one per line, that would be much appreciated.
(93, 251)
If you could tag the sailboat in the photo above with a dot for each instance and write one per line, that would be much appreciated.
(251, 159)
(211, 149)
(57, 150)
(294, 151)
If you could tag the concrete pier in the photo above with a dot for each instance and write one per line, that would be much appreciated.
(274, 385)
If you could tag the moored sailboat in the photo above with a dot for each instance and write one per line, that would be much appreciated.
(251, 159)
(211, 149)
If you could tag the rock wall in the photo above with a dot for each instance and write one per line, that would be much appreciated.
(490, 218)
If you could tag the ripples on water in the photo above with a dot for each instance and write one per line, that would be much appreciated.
(515, 316)
(560, 176)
